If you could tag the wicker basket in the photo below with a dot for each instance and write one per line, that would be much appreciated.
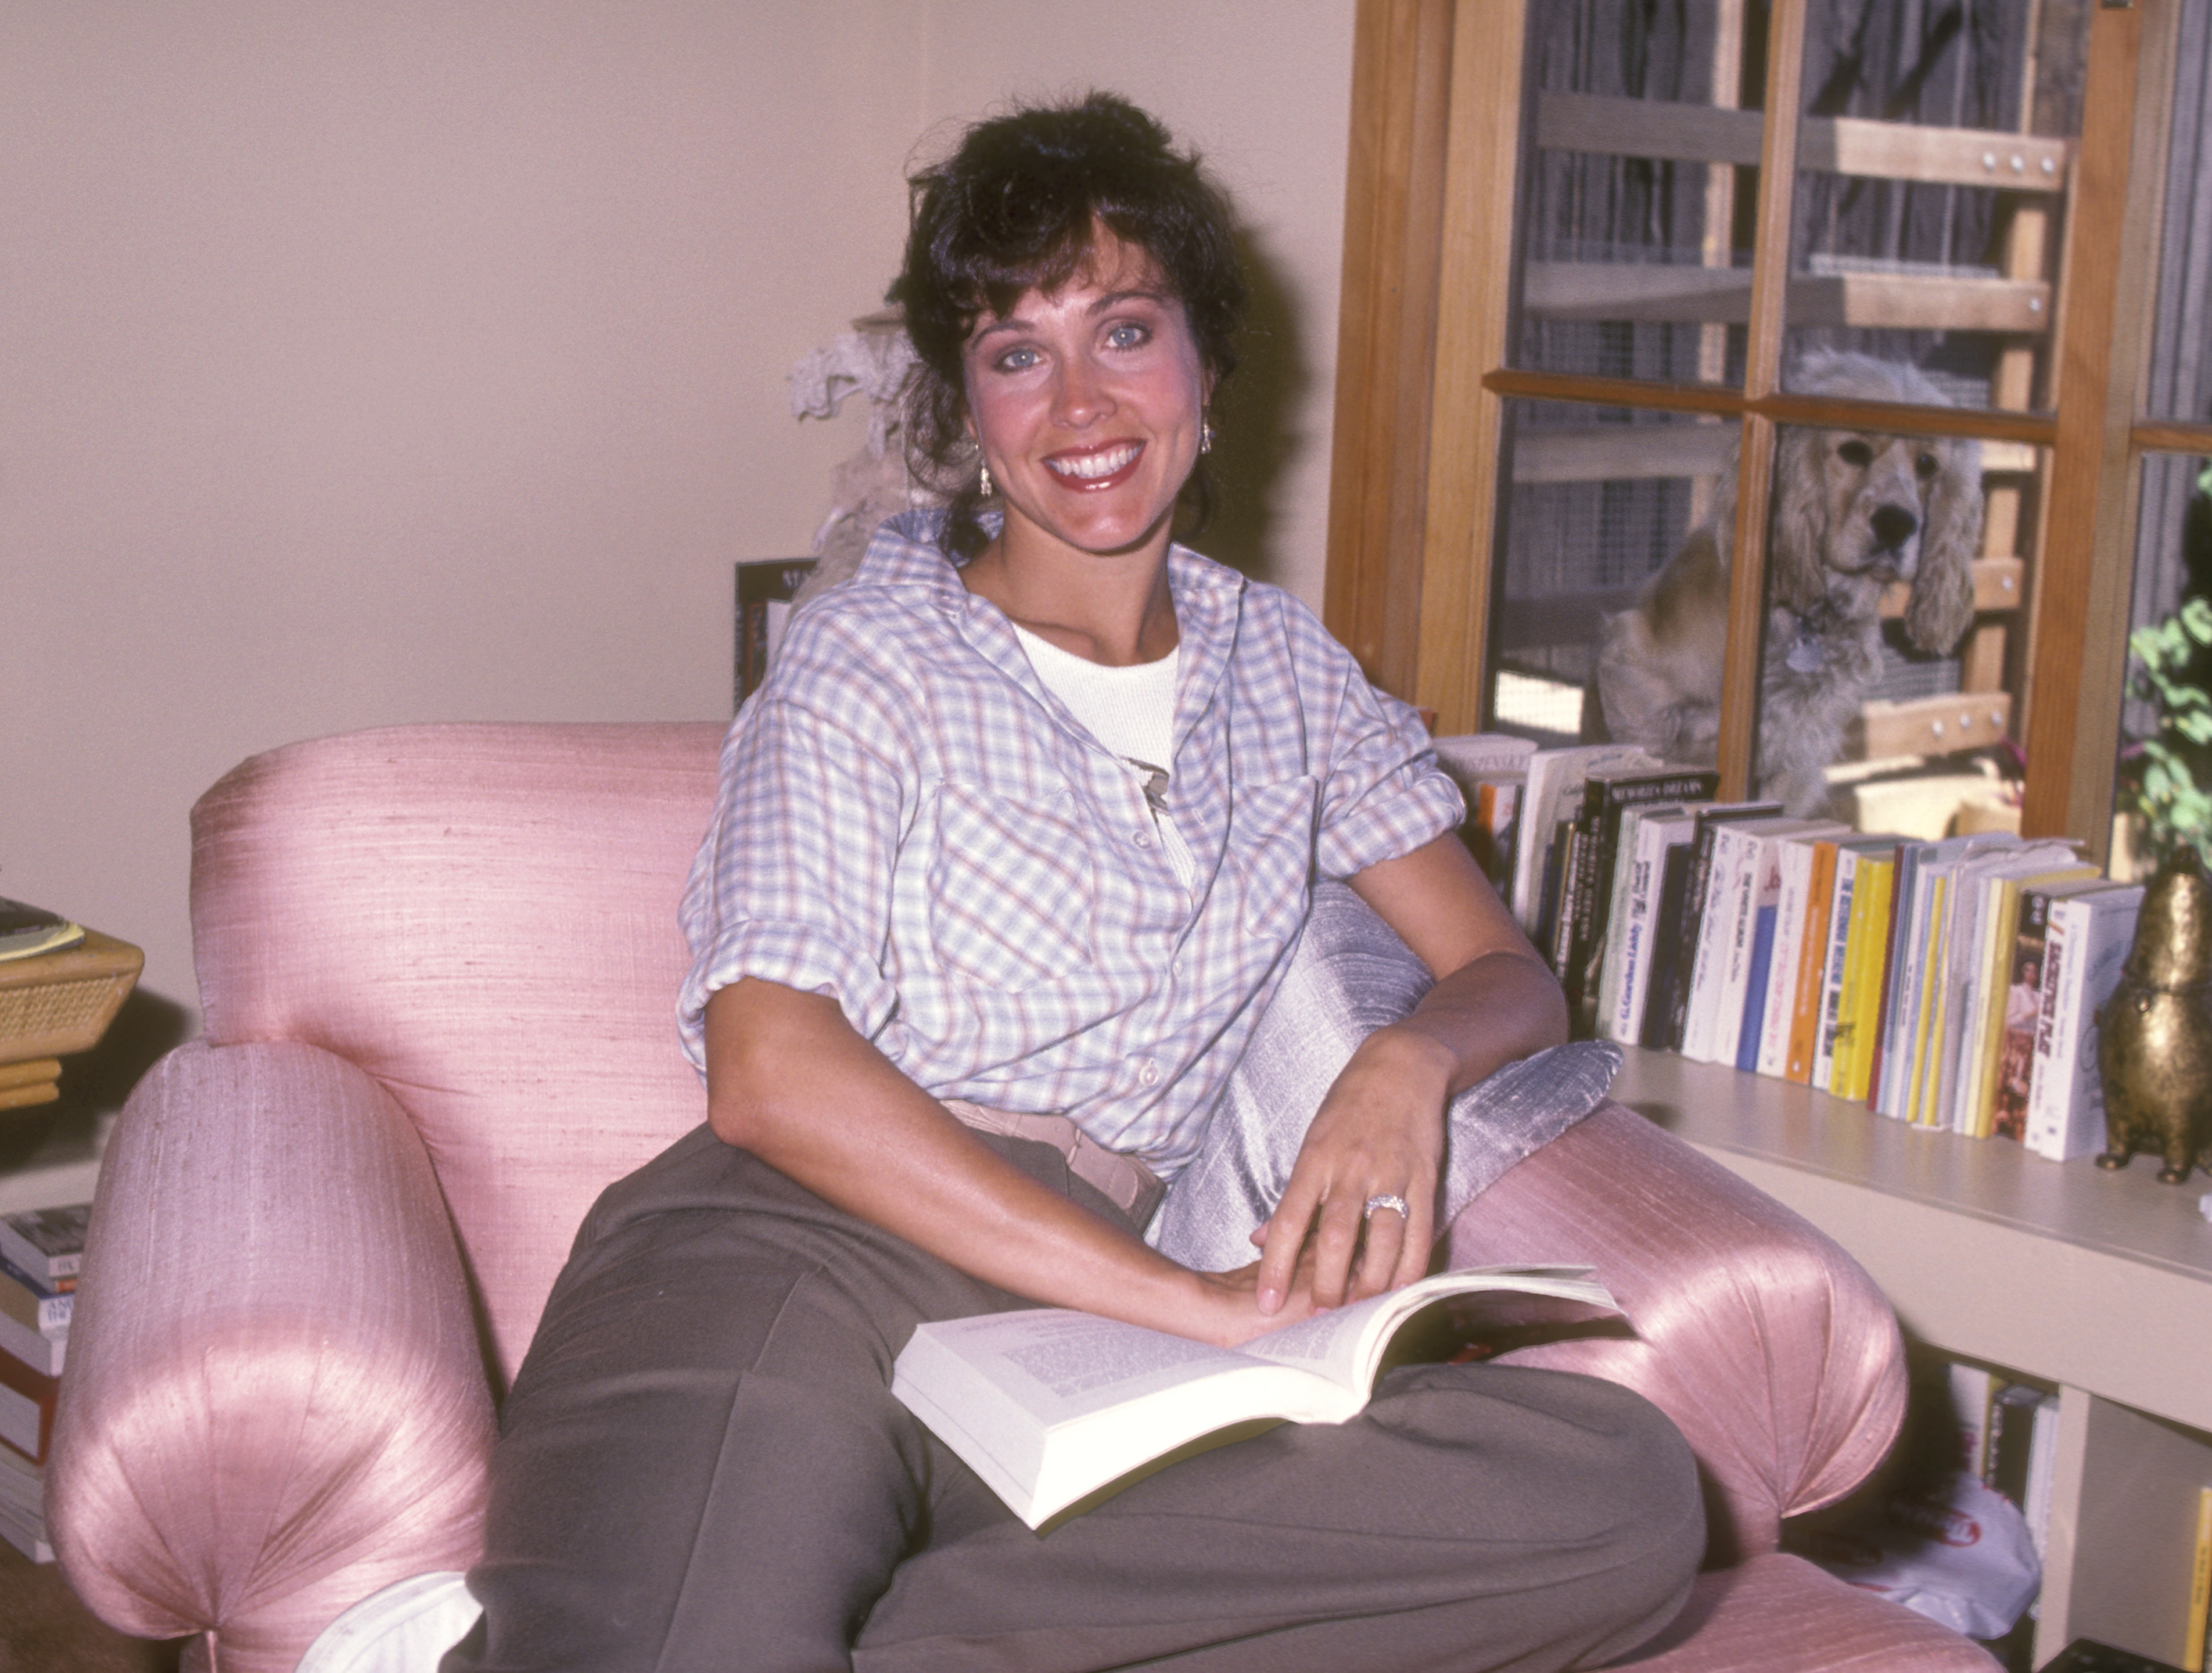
(55, 1003)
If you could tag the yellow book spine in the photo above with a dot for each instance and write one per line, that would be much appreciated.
(1927, 1025)
(1874, 975)
(2200, 1585)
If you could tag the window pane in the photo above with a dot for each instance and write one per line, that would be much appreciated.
(1932, 162)
(1894, 636)
(1635, 213)
(1601, 499)
(2179, 381)
(2166, 774)
(1889, 677)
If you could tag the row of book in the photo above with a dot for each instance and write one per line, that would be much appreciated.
(1952, 983)
(41, 1254)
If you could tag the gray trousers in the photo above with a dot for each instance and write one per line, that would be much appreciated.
(701, 1468)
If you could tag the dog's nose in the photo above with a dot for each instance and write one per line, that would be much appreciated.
(1893, 525)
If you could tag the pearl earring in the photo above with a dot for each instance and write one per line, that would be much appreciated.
(1205, 434)
(983, 481)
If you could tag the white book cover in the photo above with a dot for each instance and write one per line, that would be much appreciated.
(1654, 839)
(1468, 755)
(2042, 1470)
(1972, 1389)
(1757, 882)
(1758, 885)
(1552, 776)
(2087, 942)
(1726, 891)
(1049, 1407)
(1831, 970)
(1610, 965)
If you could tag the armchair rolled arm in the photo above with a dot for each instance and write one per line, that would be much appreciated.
(1776, 1354)
(275, 1402)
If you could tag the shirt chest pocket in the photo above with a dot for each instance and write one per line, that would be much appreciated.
(1013, 890)
(1270, 853)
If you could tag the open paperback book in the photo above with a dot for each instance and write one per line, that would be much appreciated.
(1049, 1406)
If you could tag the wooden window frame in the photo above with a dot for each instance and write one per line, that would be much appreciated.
(1438, 127)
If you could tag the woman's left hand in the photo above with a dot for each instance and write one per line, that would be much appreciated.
(1380, 1132)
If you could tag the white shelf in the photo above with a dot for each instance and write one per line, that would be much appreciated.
(2100, 1280)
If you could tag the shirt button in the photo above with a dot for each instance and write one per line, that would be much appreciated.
(1149, 1073)
(1143, 839)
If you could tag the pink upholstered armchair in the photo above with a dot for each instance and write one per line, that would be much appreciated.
(438, 966)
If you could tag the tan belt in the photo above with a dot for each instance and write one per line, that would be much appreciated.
(1125, 1182)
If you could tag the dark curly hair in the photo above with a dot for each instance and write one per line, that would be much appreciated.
(1014, 209)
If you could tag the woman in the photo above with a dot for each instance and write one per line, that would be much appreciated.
(1011, 851)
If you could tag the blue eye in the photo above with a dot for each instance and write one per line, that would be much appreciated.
(1128, 337)
(1017, 360)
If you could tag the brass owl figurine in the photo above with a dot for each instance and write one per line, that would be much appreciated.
(2155, 1034)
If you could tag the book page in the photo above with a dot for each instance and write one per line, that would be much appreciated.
(1060, 1365)
(1346, 1344)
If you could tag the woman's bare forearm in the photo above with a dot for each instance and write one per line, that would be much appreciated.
(789, 1079)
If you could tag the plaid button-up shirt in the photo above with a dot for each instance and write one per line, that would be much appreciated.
(911, 822)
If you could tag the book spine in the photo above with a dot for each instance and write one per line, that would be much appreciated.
(32, 1348)
(2023, 1003)
(1740, 931)
(1777, 1009)
(1972, 1389)
(1874, 961)
(1716, 928)
(1831, 1022)
(1919, 1093)
(2099, 931)
(1752, 1025)
(26, 1408)
(1692, 931)
(2054, 1066)
(2012, 1436)
(1499, 825)
(1807, 992)
(1901, 1016)
(1881, 973)
(2200, 1587)
(2060, 951)
(1656, 1029)
(1631, 930)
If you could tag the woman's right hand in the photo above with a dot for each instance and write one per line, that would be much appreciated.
(1228, 1304)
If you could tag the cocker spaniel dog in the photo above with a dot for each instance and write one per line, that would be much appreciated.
(1853, 512)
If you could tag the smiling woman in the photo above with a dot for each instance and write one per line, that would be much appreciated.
(1014, 849)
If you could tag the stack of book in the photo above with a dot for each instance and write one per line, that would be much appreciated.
(1951, 984)
(41, 1251)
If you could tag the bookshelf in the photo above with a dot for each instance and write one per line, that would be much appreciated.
(2099, 1284)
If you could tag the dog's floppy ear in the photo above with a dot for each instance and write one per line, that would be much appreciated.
(1797, 566)
(1942, 604)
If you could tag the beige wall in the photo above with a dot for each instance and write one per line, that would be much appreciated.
(404, 360)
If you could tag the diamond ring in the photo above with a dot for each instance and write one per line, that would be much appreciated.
(1384, 1200)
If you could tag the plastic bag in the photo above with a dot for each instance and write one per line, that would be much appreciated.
(1953, 1550)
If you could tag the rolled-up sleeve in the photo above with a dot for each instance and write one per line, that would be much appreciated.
(792, 884)
(1382, 794)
